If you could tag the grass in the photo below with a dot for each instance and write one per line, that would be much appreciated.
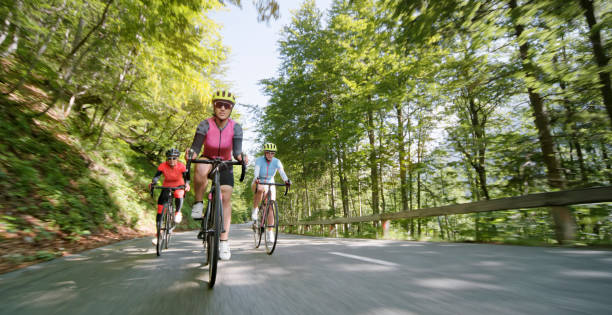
(55, 187)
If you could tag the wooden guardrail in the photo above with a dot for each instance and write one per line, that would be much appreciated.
(547, 199)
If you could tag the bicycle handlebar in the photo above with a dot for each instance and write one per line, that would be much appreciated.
(168, 187)
(219, 161)
(278, 184)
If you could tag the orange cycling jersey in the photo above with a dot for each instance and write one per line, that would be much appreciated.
(173, 176)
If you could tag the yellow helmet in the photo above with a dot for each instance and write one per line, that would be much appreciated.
(224, 96)
(270, 147)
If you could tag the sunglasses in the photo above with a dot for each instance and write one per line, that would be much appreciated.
(220, 105)
(173, 158)
(271, 152)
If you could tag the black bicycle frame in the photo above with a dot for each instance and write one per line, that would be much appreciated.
(217, 165)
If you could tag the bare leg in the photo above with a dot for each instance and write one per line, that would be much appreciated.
(258, 194)
(272, 192)
(270, 216)
(226, 192)
(200, 180)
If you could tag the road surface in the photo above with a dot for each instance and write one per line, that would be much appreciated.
(312, 275)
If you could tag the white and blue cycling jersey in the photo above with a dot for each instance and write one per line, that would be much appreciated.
(265, 170)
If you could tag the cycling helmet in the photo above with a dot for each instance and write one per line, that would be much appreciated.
(224, 96)
(172, 153)
(270, 147)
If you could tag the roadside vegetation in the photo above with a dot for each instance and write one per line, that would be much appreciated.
(378, 106)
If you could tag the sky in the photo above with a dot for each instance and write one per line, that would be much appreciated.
(254, 54)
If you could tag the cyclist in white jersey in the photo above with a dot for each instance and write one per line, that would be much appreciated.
(265, 168)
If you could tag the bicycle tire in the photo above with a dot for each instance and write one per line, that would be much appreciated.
(161, 230)
(257, 228)
(203, 229)
(271, 244)
(158, 235)
(169, 223)
(213, 243)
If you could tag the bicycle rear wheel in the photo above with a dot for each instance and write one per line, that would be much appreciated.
(271, 242)
(213, 239)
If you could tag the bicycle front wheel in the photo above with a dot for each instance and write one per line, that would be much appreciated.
(213, 239)
(162, 230)
(271, 236)
(257, 228)
(169, 224)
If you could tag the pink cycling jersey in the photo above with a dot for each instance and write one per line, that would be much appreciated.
(218, 143)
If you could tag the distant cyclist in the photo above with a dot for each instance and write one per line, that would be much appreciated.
(221, 136)
(265, 169)
(175, 174)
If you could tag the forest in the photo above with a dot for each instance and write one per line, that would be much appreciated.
(377, 106)
(383, 106)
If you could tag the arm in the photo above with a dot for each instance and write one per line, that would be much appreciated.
(154, 180)
(186, 178)
(281, 171)
(237, 141)
(200, 135)
(156, 177)
(256, 174)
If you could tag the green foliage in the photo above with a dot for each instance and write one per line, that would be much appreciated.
(51, 181)
(399, 105)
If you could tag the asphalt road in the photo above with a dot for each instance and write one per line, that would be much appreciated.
(311, 275)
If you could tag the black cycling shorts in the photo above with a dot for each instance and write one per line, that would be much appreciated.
(163, 196)
(227, 175)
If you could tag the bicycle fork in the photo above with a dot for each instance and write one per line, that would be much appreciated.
(204, 230)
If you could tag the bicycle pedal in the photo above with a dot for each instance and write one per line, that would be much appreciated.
(201, 235)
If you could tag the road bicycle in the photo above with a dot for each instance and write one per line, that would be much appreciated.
(267, 218)
(166, 224)
(212, 221)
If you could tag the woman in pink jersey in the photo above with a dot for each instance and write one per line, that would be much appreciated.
(221, 136)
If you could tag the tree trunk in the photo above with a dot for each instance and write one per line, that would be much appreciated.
(599, 55)
(373, 161)
(381, 181)
(343, 186)
(564, 223)
(13, 46)
(410, 173)
(381, 175)
(39, 53)
(449, 230)
(333, 190)
(402, 157)
(68, 108)
(606, 159)
(82, 41)
(359, 197)
(6, 29)
(418, 200)
(570, 115)
(478, 121)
